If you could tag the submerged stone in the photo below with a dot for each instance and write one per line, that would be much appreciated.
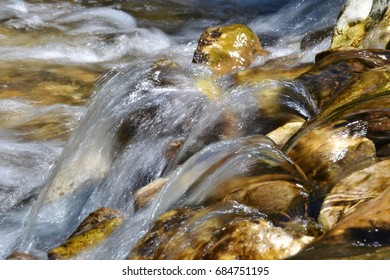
(93, 230)
(251, 172)
(346, 135)
(203, 234)
(43, 92)
(47, 84)
(208, 86)
(227, 48)
(367, 85)
(164, 72)
(276, 105)
(145, 194)
(270, 197)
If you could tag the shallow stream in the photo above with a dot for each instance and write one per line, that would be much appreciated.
(87, 117)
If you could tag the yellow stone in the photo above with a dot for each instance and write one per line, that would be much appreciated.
(283, 133)
(350, 37)
(93, 230)
(227, 48)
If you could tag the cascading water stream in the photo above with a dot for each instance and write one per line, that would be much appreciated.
(104, 173)
(189, 185)
(146, 119)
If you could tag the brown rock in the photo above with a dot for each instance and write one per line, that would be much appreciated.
(21, 256)
(349, 193)
(328, 152)
(201, 234)
(364, 234)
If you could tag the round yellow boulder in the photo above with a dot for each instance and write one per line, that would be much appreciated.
(227, 48)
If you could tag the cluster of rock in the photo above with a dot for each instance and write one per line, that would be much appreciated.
(340, 156)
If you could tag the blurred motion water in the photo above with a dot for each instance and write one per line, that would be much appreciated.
(73, 139)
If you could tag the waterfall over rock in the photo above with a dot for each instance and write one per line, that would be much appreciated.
(194, 129)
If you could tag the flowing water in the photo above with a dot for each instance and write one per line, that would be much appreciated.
(69, 145)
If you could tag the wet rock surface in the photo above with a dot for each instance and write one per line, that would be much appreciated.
(145, 194)
(46, 91)
(45, 84)
(183, 234)
(363, 24)
(227, 48)
(336, 149)
(96, 227)
(179, 147)
(364, 234)
(347, 195)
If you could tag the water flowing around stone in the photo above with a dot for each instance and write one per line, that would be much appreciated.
(112, 129)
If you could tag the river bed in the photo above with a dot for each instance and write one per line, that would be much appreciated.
(87, 117)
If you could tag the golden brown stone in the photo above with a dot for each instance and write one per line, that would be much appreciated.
(350, 37)
(93, 230)
(374, 213)
(40, 85)
(227, 48)
(335, 72)
(363, 86)
(46, 84)
(183, 234)
(254, 240)
(268, 73)
(283, 133)
(269, 196)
